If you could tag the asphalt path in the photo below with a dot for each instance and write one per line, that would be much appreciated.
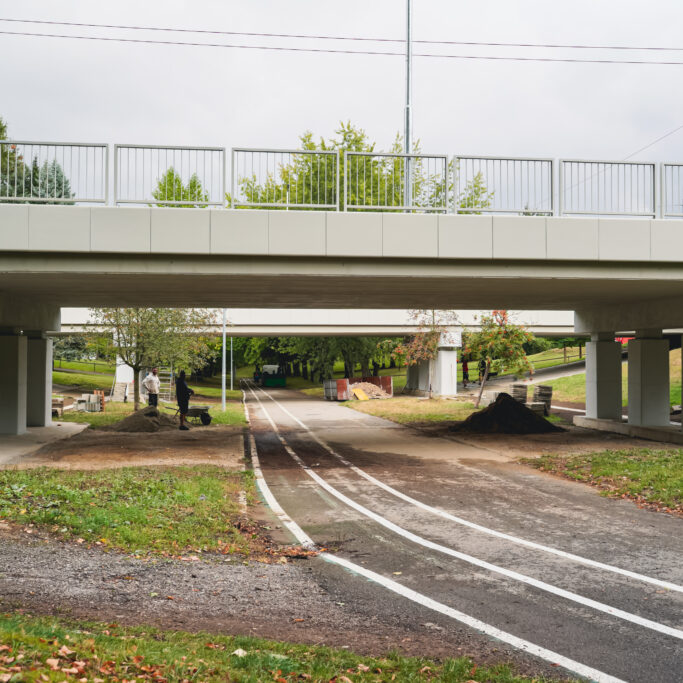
(428, 530)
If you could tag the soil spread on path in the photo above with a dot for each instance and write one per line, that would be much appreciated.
(506, 416)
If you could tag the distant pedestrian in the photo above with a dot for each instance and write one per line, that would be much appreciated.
(152, 385)
(482, 370)
(465, 371)
(183, 393)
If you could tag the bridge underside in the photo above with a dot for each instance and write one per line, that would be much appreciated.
(253, 282)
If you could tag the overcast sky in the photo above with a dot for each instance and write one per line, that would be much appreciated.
(74, 90)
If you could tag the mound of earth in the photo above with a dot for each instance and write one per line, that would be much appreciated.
(372, 390)
(147, 419)
(506, 416)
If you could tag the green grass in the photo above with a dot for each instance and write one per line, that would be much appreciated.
(210, 391)
(407, 409)
(136, 509)
(90, 366)
(113, 413)
(84, 383)
(113, 653)
(653, 477)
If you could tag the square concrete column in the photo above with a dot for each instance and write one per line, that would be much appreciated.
(603, 377)
(12, 384)
(39, 382)
(446, 373)
(648, 379)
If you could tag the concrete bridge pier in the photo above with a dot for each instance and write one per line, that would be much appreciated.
(603, 377)
(25, 363)
(648, 379)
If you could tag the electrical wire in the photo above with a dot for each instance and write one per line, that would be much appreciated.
(338, 51)
(350, 38)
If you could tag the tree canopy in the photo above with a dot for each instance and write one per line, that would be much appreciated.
(171, 188)
(149, 337)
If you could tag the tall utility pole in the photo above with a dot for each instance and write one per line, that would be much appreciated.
(407, 132)
(225, 316)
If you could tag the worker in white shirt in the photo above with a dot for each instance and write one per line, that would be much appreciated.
(152, 384)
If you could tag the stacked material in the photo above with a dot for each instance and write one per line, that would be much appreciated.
(519, 392)
(543, 394)
(146, 420)
(371, 390)
(505, 416)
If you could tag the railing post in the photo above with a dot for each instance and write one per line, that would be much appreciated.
(338, 172)
(232, 178)
(454, 161)
(560, 187)
(116, 175)
(346, 179)
(553, 187)
(106, 175)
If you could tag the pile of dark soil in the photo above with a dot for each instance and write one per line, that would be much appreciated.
(506, 416)
(145, 420)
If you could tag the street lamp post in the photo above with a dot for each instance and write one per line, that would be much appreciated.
(407, 132)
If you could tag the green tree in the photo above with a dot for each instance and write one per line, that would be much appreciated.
(475, 195)
(147, 337)
(48, 181)
(170, 188)
(501, 340)
(373, 181)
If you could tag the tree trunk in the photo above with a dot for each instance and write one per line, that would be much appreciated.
(136, 388)
(564, 353)
(483, 382)
(304, 369)
(580, 349)
(392, 362)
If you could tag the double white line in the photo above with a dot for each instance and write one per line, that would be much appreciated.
(419, 598)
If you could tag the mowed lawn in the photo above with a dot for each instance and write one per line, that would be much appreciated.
(649, 476)
(406, 409)
(143, 510)
(50, 649)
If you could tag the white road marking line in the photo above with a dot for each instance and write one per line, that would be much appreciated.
(571, 410)
(472, 525)
(516, 576)
(305, 540)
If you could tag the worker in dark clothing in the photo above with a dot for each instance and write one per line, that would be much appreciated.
(183, 393)
(482, 370)
(465, 370)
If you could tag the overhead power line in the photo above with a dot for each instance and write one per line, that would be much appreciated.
(348, 52)
(567, 46)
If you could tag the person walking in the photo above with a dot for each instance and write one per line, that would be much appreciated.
(482, 370)
(183, 393)
(152, 385)
(465, 371)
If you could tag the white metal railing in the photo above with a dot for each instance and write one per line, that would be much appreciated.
(53, 173)
(169, 176)
(285, 178)
(672, 190)
(514, 185)
(378, 181)
(607, 188)
(148, 175)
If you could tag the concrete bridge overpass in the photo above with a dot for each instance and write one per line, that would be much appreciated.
(602, 239)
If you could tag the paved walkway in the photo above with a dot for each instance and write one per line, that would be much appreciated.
(12, 448)
(462, 532)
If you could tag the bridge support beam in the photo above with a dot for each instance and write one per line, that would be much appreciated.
(39, 381)
(13, 358)
(648, 379)
(603, 377)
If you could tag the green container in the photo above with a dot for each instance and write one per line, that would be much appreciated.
(274, 380)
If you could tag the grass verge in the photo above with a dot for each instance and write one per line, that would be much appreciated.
(84, 383)
(233, 415)
(406, 409)
(142, 510)
(49, 649)
(652, 478)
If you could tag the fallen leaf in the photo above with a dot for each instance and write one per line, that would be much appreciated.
(239, 652)
(64, 651)
(52, 663)
(397, 573)
(297, 620)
